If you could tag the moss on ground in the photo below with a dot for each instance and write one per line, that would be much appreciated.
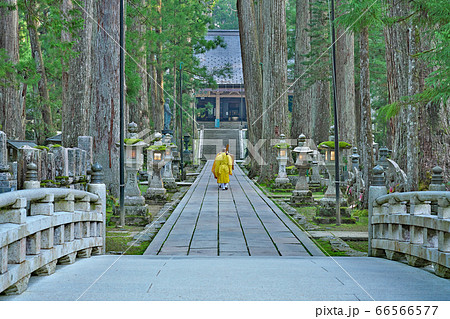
(143, 189)
(359, 245)
(121, 244)
(325, 246)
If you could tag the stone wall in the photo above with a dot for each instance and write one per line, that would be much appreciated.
(57, 166)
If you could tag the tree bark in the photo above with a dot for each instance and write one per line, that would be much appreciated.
(396, 38)
(321, 111)
(433, 119)
(138, 112)
(412, 146)
(159, 107)
(365, 111)
(403, 80)
(77, 98)
(345, 84)
(274, 102)
(152, 86)
(104, 124)
(252, 73)
(12, 111)
(36, 53)
(259, 24)
(302, 107)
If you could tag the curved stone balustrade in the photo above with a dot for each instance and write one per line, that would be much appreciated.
(414, 226)
(42, 227)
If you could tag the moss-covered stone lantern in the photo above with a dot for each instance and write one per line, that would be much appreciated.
(301, 195)
(136, 211)
(327, 209)
(282, 180)
(156, 192)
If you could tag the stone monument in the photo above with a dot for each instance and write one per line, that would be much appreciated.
(167, 117)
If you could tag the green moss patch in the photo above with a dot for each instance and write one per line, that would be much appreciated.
(330, 144)
(362, 245)
(131, 141)
(282, 145)
(157, 148)
(41, 147)
(325, 246)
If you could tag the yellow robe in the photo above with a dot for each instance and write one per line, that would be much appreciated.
(222, 168)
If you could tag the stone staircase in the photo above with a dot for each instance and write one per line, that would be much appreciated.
(223, 125)
(215, 139)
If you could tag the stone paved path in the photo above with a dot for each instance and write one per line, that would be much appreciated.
(240, 221)
(235, 278)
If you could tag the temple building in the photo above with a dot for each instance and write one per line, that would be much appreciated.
(227, 102)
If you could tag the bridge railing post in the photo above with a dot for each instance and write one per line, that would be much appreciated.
(377, 189)
(99, 188)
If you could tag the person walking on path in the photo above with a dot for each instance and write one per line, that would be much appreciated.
(223, 168)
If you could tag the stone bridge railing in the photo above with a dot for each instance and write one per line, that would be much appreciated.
(414, 226)
(40, 228)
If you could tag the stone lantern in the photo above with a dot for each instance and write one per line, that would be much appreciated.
(327, 209)
(382, 161)
(301, 195)
(155, 154)
(176, 162)
(167, 176)
(187, 153)
(282, 179)
(330, 194)
(134, 202)
(355, 159)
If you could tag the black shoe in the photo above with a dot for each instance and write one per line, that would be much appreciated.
(226, 188)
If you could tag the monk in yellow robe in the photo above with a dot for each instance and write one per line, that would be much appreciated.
(222, 169)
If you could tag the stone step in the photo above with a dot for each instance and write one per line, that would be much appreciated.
(223, 125)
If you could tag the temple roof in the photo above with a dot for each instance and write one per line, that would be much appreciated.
(16, 144)
(220, 57)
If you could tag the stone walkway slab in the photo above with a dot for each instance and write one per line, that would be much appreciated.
(141, 278)
(240, 221)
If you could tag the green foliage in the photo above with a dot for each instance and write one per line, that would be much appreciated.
(358, 14)
(224, 15)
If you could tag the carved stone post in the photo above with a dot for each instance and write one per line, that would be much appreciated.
(31, 178)
(437, 180)
(377, 189)
(98, 188)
